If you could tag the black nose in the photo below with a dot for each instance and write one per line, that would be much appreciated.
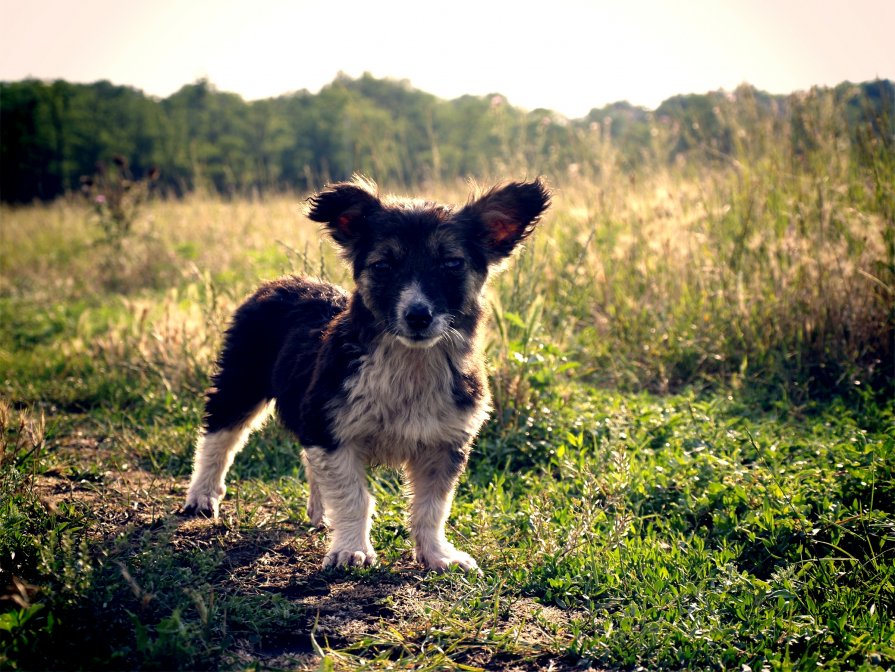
(418, 316)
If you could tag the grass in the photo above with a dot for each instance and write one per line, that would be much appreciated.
(690, 463)
(623, 530)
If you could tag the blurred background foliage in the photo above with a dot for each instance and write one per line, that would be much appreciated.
(199, 138)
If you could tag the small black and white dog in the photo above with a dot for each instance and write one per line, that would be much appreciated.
(392, 374)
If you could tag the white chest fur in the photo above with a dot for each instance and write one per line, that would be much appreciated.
(401, 401)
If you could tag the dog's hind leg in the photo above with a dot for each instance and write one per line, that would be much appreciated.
(237, 403)
(215, 450)
(316, 511)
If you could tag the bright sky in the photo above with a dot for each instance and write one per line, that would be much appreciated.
(566, 55)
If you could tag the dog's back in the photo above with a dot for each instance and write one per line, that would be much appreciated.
(289, 310)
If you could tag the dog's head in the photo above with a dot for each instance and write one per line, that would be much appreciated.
(420, 266)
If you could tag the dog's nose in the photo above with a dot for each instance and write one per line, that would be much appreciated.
(418, 316)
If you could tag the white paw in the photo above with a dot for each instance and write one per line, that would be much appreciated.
(442, 558)
(348, 556)
(203, 503)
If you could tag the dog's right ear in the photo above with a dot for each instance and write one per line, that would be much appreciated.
(344, 209)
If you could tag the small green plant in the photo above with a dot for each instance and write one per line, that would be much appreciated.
(117, 198)
(22, 436)
(21, 519)
(126, 257)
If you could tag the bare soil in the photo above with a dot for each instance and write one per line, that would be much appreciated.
(347, 613)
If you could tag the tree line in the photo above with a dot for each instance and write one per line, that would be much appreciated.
(53, 135)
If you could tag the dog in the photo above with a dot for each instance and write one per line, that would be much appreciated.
(391, 374)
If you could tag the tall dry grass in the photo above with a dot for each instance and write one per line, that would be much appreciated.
(773, 269)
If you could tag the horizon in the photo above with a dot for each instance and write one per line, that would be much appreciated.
(652, 51)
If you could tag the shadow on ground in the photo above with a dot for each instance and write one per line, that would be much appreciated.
(253, 593)
(152, 589)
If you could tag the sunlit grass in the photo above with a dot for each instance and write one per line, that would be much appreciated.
(728, 276)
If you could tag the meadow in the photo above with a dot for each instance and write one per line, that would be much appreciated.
(689, 465)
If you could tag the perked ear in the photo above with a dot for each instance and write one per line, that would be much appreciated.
(344, 208)
(507, 215)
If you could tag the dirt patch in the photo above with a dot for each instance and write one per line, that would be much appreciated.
(390, 611)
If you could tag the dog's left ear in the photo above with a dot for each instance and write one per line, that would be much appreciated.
(506, 215)
(344, 209)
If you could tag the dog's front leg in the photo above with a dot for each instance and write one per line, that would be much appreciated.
(340, 475)
(433, 478)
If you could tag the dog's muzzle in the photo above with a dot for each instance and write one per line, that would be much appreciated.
(419, 327)
(418, 324)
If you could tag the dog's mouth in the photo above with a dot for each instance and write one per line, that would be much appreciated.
(419, 336)
(416, 335)
(419, 341)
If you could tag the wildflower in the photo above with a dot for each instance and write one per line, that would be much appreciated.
(100, 199)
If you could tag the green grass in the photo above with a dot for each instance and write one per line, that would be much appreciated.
(625, 530)
(690, 462)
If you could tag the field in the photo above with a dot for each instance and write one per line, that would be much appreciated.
(690, 463)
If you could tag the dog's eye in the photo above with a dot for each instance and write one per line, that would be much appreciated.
(381, 266)
(453, 264)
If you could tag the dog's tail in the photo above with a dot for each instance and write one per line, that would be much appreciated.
(244, 382)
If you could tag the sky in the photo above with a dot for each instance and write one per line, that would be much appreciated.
(565, 55)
